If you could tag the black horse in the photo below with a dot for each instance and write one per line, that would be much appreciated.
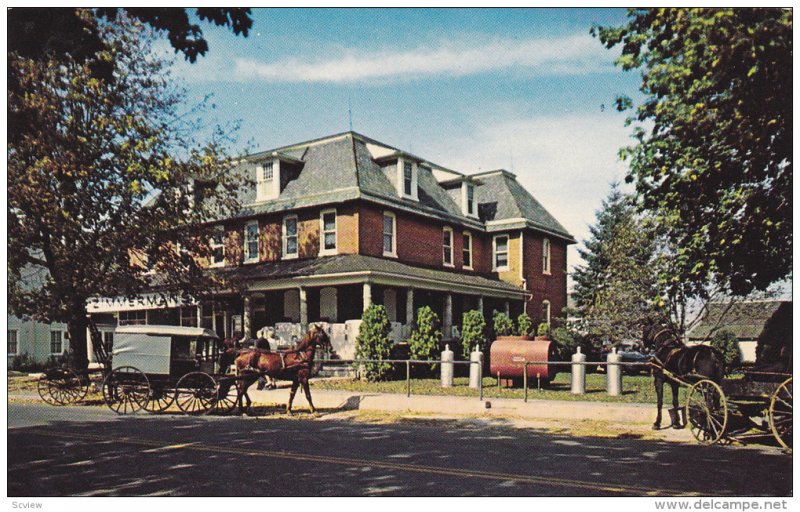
(688, 363)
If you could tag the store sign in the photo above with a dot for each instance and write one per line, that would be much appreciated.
(146, 301)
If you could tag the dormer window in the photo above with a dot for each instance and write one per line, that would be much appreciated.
(268, 180)
(468, 206)
(407, 178)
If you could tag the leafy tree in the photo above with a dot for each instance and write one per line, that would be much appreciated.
(616, 291)
(524, 325)
(473, 332)
(373, 342)
(713, 157)
(106, 177)
(424, 340)
(502, 325)
(728, 344)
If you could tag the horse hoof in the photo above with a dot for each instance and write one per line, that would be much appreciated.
(656, 426)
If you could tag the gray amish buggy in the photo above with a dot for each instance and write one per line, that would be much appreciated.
(154, 366)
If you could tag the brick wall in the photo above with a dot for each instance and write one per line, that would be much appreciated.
(552, 287)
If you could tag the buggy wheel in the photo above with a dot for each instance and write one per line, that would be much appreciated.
(226, 395)
(780, 414)
(159, 399)
(196, 393)
(126, 390)
(706, 411)
(62, 387)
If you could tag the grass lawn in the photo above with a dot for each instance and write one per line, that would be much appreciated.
(637, 388)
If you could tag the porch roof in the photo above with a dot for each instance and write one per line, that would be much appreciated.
(357, 268)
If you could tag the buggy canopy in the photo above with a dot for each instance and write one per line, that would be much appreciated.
(148, 347)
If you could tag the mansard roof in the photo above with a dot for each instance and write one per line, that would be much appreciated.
(349, 166)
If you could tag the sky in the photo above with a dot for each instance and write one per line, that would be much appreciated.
(527, 90)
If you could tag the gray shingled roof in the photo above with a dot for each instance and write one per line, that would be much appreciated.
(348, 263)
(746, 319)
(341, 168)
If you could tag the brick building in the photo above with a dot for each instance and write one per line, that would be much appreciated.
(334, 224)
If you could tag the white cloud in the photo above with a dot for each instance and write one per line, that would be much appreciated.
(566, 162)
(570, 55)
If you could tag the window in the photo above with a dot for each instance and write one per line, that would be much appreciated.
(467, 250)
(189, 316)
(389, 234)
(13, 346)
(132, 318)
(546, 256)
(447, 244)
(108, 340)
(327, 228)
(290, 237)
(408, 179)
(218, 247)
(265, 182)
(501, 252)
(470, 199)
(251, 242)
(546, 312)
(266, 171)
(56, 339)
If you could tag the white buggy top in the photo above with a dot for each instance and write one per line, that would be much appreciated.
(164, 349)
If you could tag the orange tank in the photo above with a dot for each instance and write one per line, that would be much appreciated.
(507, 356)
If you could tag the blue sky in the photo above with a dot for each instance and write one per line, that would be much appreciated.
(528, 90)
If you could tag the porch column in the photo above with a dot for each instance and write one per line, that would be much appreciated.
(303, 309)
(410, 306)
(447, 321)
(246, 316)
(199, 315)
(507, 308)
(367, 295)
(214, 316)
(480, 303)
(89, 345)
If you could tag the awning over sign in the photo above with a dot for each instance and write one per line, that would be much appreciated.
(145, 301)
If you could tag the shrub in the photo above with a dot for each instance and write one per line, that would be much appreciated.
(373, 342)
(727, 343)
(424, 340)
(473, 332)
(543, 329)
(503, 326)
(565, 341)
(524, 325)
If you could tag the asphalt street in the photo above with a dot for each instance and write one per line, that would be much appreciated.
(89, 451)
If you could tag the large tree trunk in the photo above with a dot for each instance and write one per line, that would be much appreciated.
(77, 325)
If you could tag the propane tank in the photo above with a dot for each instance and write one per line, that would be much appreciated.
(614, 373)
(476, 356)
(578, 373)
(447, 367)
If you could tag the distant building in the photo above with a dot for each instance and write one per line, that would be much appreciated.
(38, 340)
(762, 327)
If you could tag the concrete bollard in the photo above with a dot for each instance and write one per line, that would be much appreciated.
(475, 369)
(578, 373)
(447, 367)
(614, 374)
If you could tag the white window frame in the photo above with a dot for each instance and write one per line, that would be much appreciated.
(61, 335)
(507, 252)
(212, 260)
(322, 250)
(465, 187)
(393, 252)
(284, 238)
(267, 189)
(401, 180)
(251, 258)
(447, 229)
(546, 303)
(546, 256)
(467, 249)
(15, 333)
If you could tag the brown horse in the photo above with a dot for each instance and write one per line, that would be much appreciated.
(294, 365)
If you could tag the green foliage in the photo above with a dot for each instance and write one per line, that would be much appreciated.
(373, 342)
(543, 329)
(524, 325)
(501, 324)
(473, 332)
(105, 172)
(618, 290)
(727, 343)
(713, 157)
(424, 340)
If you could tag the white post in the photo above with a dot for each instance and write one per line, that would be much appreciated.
(507, 308)
(367, 295)
(199, 315)
(447, 367)
(303, 309)
(410, 306)
(246, 317)
(614, 374)
(447, 321)
(578, 373)
(480, 304)
(475, 369)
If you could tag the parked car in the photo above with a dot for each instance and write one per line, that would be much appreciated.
(632, 352)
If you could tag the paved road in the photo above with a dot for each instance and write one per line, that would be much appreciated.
(90, 451)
